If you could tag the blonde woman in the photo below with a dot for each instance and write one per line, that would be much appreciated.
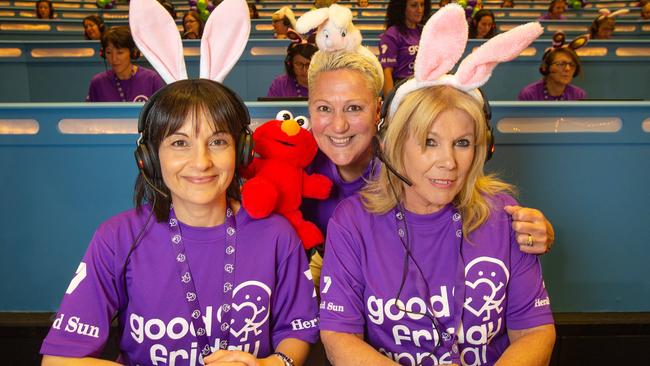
(424, 267)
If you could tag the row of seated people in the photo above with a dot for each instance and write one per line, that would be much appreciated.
(483, 21)
(128, 82)
(571, 9)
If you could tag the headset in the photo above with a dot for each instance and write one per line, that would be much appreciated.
(147, 159)
(381, 127)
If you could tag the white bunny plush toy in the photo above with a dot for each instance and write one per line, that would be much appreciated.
(335, 31)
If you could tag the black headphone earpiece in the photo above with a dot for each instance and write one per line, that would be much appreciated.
(147, 160)
(489, 136)
(134, 53)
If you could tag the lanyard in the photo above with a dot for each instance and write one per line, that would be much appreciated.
(189, 288)
(449, 341)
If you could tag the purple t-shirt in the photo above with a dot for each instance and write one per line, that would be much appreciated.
(104, 87)
(273, 294)
(362, 273)
(535, 91)
(285, 86)
(320, 211)
(398, 50)
(547, 16)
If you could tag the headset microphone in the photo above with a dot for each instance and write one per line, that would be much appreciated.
(150, 184)
(388, 166)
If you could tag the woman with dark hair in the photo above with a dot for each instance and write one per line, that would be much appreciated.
(93, 27)
(44, 9)
(398, 45)
(189, 276)
(559, 66)
(483, 25)
(296, 65)
(189, 239)
(124, 82)
(556, 10)
(192, 26)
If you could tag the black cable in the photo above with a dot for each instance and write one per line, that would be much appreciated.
(126, 260)
(407, 255)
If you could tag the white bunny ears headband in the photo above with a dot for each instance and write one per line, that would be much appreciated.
(336, 32)
(442, 44)
(224, 39)
(605, 13)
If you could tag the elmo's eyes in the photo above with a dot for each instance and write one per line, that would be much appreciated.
(303, 122)
(283, 115)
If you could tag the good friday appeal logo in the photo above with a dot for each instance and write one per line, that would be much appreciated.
(248, 314)
(413, 334)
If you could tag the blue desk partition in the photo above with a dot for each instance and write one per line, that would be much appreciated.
(60, 71)
(57, 187)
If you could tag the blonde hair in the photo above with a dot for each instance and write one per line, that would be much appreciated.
(286, 15)
(344, 60)
(415, 116)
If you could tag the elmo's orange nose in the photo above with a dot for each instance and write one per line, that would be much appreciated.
(290, 127)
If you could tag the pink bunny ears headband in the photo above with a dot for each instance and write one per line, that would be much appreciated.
(442, 44)
(224, 38)
(605, 13)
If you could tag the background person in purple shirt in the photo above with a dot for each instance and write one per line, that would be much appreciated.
(124, 82)
(344, 106)
(398, 45)
(556, 10)
(200, 277)
(294, 82)
(559, 67)
(465, 293)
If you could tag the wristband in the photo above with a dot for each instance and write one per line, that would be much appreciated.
(285, 359)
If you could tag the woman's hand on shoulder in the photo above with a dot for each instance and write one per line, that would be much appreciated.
(239, 358)
(534, 233)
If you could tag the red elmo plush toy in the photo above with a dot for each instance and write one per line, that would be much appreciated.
(277, 180)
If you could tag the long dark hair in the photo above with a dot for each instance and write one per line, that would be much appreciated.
(196, 17)
(473, 26)
(49, 4)
(396, 13)
(99, 22)
(168, 111)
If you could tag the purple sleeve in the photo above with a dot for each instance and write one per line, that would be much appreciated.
(580, 94)
(294, 311)
(526, 94)
(388, 48)
(341, 282)
(91, 97)
(275, 90)
(158, 83)
(82, 323)
(528, 302)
